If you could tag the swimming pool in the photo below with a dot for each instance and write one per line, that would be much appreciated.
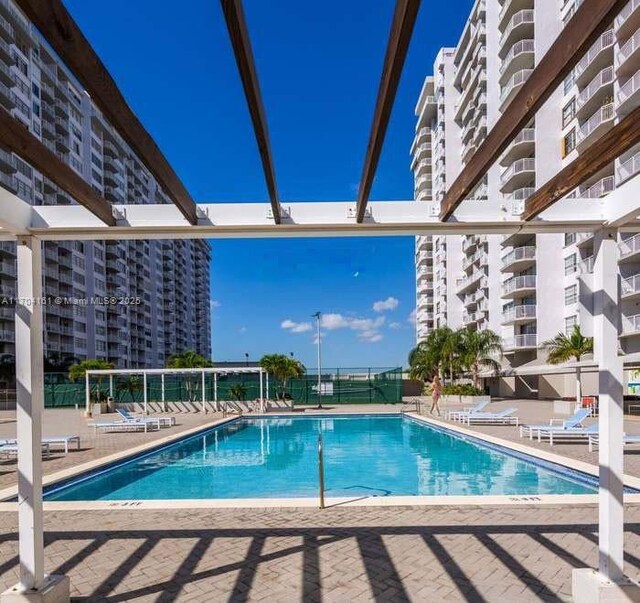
(370, 455)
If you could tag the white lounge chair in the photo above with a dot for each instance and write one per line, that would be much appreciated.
(12, 450)
(504, 417)
(51, 441)
(458, 415)
(168, 421)
(628, 440)
(575, 433)
(125, 426)
(574, 420)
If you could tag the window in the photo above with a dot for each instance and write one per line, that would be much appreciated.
(23, 168)
(568, 112)
(569, 142)
(570, 295)
(78, 246)
(569, 323)
(78, 262)
(569, 238)
(35, 89)
(24, 191)
(568, 83)
(36, 109)
(570, 264)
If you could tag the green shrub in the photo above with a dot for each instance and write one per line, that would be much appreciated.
(461, 389)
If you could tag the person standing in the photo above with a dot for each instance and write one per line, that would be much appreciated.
(435, 395)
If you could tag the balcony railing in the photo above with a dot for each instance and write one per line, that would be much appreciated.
(602, 115)
(631, 285)
(586, 265)
(603, 78)
(629, 168)
(517, 79)
(519, 312)
(518, 283)
(520, 342)
(520, 18)
(604, 41)
(528, 164)
(629, 47)
(629, 88)
(631, 324)
(626, 12)
(601, 188)
(520, 47)
(630, 246)
(518, 254)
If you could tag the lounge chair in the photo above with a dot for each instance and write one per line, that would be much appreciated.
(559, 433)
(504, 417)
(51, 441)
(12, 450)
(126, 425)
(574, 420)
(594, 440)
(459, 415)
(161, 421)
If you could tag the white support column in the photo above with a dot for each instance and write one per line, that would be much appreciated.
(162, 394)
(215, 391)
(87, 395)
(261, 393)
(144, 392)
(111, 386)
(30, 407)
(609, 581)
(204, 393)
(267, 386)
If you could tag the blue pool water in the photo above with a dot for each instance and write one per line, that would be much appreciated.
(364, 456)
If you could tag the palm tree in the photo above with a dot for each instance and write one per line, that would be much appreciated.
(132, 384)
(283, 368)
(421, 363)
(79, 370)
(189, 360)
(480, 349)
(238, 392)
(438, 353)
(565, 347)
(7, 370)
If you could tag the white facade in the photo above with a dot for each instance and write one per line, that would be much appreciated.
(526, 287)
(169, 278)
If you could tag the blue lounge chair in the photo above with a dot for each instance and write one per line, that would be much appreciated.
(458, 415)
(504, 417)
(573, 433)
(160, 421)
(574, 420)
(594, 440)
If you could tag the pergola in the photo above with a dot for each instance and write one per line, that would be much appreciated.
(547, 210)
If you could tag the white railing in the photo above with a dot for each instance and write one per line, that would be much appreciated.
(603, 78)
(629, 88)
(604, 41)
(471, 317)
(519, 253)
(631, 324)
(521, 17)
(7, 335)
(520, 47)
(631, 285)
(630, 246)
(629, 168)
(522, 194)
(528, 164)
(517, 79)
(462, 283)
(601, 188)
(8, 268)
(630, 46)
(626, 12)
(519, 312)
(602, 115)
(517, 283)
(520, 342)
(526, 135)
(586, 265)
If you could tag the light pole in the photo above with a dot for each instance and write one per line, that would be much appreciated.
(246, 355)
(317, 316)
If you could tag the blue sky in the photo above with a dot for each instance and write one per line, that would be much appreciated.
(319, 65)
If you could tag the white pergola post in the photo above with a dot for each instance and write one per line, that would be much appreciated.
(204, 393)
(30, 407)
(267, 380)
(144, 393)
(162, 395)
(261, 394)
(111, 386)
(87, 394)
(215, 391)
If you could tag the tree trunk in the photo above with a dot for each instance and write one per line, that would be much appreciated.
(476, 379)
(451, 369)
(578, 389)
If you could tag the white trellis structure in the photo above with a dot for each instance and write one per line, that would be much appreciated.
(204, 373)
(29, 226)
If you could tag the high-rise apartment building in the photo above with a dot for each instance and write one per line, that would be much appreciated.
(167, 281)
(525, 287)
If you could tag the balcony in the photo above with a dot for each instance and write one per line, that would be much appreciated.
(7, 268)
(630, 325)
(470, 318)
(519, 259)
(424, 256)
(628, 96)
(519, 314)
(520, 342)
(584, 238)
(465, 283)
(7, 336)
(595, 93)
(480, 257)
(523, 145)
(425, 285)
(599, 123)
(629, 168)
(601, 188)
(509, 7)
(628, 20)
(586, 266)
(599, 56)
(631, 287)
(9, 182)
(6, 31)
(520, 56)
(627, 60)
(629, 248)
(519, 286)
(518, 27)
(6, 98)
(519, 173)
(511, 88)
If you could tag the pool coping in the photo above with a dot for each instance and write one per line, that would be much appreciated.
(330, 502)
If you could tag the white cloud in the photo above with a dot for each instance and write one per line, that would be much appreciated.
(412, 317)
(215, 303)
(296, 327)
(333, 321)
(243, 329)
(391, 303)
(395, 325)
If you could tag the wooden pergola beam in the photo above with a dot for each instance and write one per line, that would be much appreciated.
(15, 137)
(597, 156)
(404, 19)
(61, 31)
(589, 21)
(241, 43)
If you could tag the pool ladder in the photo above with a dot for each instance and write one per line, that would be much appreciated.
(320, 471)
